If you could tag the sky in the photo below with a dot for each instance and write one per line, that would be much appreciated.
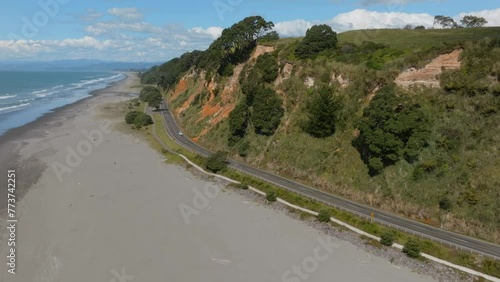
(156, 31)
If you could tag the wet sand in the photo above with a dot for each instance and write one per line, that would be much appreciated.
(122, 214)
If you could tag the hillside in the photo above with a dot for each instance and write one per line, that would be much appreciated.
(336, 119)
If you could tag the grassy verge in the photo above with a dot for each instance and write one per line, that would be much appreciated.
(452, 255)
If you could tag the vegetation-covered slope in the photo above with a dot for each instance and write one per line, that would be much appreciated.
(334, 118)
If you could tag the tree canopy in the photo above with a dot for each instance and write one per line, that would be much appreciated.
(322, 111)
(391, 129)
(473, 21)
(445, 22)
(318, 38)
(267, 111)
(152, 96)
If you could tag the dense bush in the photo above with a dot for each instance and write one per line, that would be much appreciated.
(216, 162)
(238, 122)
(412, 248)
(267, 67)
(130, 117)
(445, 204)
(322, 111)
(139, 119)
(271, 196)
(324, 216)
(267, 111)
(318, 39)
(387, 239)
(152, 96)
(390, 129)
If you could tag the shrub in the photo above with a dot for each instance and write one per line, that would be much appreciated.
(271, 196)
(142, 119)
(445, 204)
(324, 216)
(216, 162)
(387, 239)
(243, 186)
(130, 117)
(412, 248)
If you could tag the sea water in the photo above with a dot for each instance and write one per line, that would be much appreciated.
(27, 95)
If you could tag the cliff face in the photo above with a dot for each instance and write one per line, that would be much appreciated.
(451, 165)
(429, 75)
(205, 103)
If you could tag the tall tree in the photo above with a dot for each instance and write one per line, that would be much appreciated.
(238, 122)
(391, 129)
(473, 21)
(322, 113)
(318, 38)
(267, 111)
(445, 22)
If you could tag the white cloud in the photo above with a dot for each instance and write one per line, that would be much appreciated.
(84, 42)
(492, 16)
(126, 14)
(214, 31)
(363, 19)
(292, 28)
(110, 28)
(388, 2)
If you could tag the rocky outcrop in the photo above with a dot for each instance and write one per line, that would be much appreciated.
(429, 75)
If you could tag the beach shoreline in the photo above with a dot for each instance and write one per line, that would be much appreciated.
(14, 138)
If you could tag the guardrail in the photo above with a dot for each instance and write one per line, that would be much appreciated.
(377, 220)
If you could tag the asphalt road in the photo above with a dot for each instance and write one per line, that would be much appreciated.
(436, 234)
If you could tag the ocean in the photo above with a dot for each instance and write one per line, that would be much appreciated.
(27, 95)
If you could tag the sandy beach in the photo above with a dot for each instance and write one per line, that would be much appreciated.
(101, 205)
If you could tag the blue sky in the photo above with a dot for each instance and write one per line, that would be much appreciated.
(133, 30)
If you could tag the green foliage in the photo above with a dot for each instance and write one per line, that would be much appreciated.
(235, 44)
(238, 122)
(318, 39)
(270, 37)
(267, 67)
(387, 238)
(479, 64)
(152, 96)
(169, 73)
(445, 22)
(216, 162)
(324, 216)
(139, 119)
(445, 204)
(271, 196)
(243, 148)
(130, 117)
(412, 248)
(243, 186)
(391, 128)
(267, 111)
(473, 21)
(322, 110)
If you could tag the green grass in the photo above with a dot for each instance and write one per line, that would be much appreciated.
(404, 39)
